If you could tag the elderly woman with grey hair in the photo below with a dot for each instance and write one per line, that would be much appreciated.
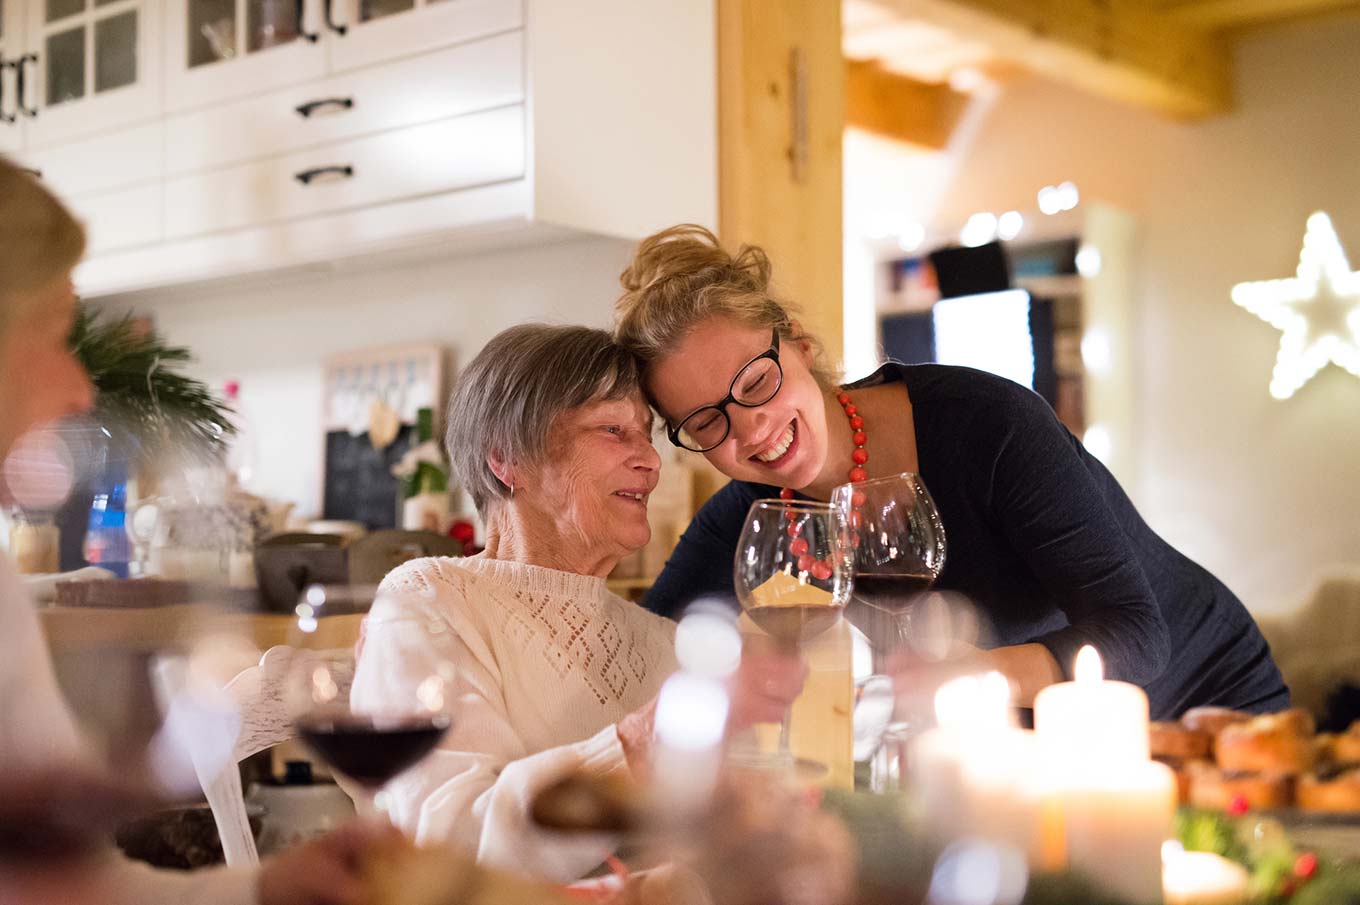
(552, 438)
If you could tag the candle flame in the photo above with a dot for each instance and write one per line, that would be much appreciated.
(1088, 668)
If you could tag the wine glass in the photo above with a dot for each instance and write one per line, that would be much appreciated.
(792, 575)
(898, 543)
(400, 705)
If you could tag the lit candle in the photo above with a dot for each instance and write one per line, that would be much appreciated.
(1092, 720)
(1201, 878)
(1116, 805)
(972, 773)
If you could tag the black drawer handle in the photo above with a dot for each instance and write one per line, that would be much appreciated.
(30, 112)
(5, 118)
(339, 103)
(310, 36)
(339, 28)
(307, 177)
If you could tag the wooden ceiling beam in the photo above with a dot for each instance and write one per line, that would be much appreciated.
(900, 108)
(1214, 15)
(1116, 48)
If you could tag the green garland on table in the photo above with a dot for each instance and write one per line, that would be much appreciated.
(895, 863)
(139, 387)
(1279, 872)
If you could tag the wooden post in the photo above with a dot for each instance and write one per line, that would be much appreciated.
(781, 113)
(781, 118)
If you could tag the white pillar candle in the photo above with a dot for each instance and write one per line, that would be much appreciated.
(1091, 720)
(971, 774)
(1116, 806)
(1114, 824)
(1201, 878)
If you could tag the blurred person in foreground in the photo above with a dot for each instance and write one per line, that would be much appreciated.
(49, 791)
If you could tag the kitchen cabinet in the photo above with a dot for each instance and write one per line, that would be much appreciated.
(11, 49)
(445, 126)
(224, 50)
(85, 67)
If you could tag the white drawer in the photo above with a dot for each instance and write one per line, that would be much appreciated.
(451, 82)
(121, 219)
(423, 28)
(477, 149)
(124, 157)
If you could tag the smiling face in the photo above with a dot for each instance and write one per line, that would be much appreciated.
(782, 442)
(594, 485)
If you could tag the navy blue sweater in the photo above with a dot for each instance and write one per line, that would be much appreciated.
(1044, 542)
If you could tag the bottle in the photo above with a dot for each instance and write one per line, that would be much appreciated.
(106, 541)
(241, 453)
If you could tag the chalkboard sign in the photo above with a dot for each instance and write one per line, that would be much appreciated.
(360, 486)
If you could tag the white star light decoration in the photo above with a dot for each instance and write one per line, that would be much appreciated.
(1318, 310)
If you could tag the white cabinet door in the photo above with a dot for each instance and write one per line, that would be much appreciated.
(363, 32)
(91, 66)
(219, 50)
(479, 75)
(467, 151)
(11, 49)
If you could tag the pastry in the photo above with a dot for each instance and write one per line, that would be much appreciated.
(1337, 793)
(1174, 740)
(1274, 743)
(1219, 789)
(1212, 719)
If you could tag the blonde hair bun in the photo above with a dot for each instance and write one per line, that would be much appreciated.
(692, 254)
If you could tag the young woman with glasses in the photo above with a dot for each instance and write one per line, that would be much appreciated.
(1042, 539)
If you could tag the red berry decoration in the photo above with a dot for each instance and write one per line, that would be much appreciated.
(795, 529)
(860, 438)
(858, 474)
(860, 456)
(857, 499)
(785, 494)
(856, 422)
(805, 563)
(798, 547)
(821, 570)
(462, 532)
(843, 398)
(1305, 865)
(852, 410)
(1238, 806)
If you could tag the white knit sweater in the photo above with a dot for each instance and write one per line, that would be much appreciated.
(547, 663)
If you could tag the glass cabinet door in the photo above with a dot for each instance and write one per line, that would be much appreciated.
(90, 66)
(221, 49)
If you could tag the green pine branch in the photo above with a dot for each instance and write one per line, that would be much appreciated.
(139, 387)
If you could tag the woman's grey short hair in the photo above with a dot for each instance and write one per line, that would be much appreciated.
(509, 397)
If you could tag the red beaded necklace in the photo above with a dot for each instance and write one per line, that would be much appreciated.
(821, 569)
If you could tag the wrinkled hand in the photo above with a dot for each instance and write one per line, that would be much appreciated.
(765, 685)
(325, 871)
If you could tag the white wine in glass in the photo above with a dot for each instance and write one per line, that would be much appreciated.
(792, 574)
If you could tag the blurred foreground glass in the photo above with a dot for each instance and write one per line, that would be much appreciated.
(792, 575)
(898, 551)
(405, 709)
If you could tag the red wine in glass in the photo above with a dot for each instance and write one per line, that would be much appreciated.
(371, 751)
(892, 592)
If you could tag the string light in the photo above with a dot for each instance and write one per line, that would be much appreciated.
(1317, 310)
(979, 230)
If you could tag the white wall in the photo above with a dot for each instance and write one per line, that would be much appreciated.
(274, 339)
(1264, 493)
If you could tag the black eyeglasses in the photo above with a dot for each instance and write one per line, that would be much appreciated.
(755, 384)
